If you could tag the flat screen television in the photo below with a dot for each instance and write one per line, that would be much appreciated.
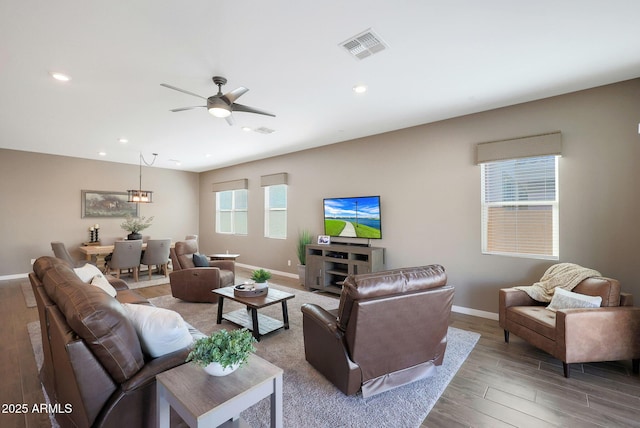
(357, 217)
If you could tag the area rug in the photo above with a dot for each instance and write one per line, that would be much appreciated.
(144, 281)
(27, 293)
(309, 399)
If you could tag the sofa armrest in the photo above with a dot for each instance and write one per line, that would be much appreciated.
(510, 297)
(153, 367)
(224, 265)
(195, 275)
(117, 283)
(324, 349)
(600, 334)
(626, 299)
(322, 318)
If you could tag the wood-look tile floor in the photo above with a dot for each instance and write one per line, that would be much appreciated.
(499, 385)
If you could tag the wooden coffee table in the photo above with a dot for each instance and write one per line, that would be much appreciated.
(259, 324)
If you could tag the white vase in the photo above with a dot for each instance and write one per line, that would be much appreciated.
(215, 369)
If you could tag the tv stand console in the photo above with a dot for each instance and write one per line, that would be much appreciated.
(329, 265)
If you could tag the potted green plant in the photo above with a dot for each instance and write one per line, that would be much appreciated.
(304, 238)
(260, 275)
(223, 352)
(134, 225)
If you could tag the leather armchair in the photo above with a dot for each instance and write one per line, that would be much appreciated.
(194, 284)
(389, 330)
(608, 333)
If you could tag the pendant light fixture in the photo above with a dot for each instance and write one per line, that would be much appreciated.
(139, 195)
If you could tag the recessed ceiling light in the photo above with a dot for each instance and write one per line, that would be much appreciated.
(123, 140)
(60, 76)
(360, 89)
(246, 129)
(208, 155)
(102, 153)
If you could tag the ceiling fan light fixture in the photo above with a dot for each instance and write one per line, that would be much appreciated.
(218, 111)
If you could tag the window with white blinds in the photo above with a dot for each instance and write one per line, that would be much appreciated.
(275, 211)
(520, 207)
(231, 212)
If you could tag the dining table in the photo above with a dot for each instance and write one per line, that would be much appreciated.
(94, 252)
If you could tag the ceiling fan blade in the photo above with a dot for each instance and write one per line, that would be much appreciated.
(229, 120)
(230, 97)
(186, 108)
(247, 109)
(182, 90)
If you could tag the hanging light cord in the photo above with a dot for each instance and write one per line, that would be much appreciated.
(147, 163)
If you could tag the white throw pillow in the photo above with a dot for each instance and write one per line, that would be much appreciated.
(563, 299)
(161, 331)
(101, 282)
(87, 272)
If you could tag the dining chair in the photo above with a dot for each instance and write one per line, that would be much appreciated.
(126, 255)
(61, 252)
(157, 254)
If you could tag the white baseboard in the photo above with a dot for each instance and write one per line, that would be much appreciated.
(475, 312)
(14, 276)
(275, 272)
(454, 308)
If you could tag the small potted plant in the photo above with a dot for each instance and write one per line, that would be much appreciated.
(304, 238)
(261, 276)
(134, 225)
(223, 352)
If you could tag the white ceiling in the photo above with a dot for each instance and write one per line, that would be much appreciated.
(445, 58)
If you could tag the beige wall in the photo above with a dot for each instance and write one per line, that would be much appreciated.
(430, 192)
(40, 202)
(428, 183)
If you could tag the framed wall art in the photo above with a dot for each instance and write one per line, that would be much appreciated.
(98, 203)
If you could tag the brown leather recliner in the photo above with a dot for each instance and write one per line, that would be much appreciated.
(608, 333)
(93, 367)
(389, 330)
(194, 284)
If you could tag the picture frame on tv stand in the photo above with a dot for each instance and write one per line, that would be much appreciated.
(324, 239)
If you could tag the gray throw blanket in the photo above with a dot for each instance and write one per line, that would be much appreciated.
(563, 275)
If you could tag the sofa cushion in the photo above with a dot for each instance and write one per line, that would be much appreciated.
(87, 272)
(101, 282)
(200, 260)
(607, 288)
(99, 319)
(563, 299)
(184, 251)
(161, 331)
(535, 318)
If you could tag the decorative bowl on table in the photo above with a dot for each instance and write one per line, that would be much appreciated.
(251, 289)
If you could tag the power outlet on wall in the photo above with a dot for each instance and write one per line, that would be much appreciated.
(33, 261)
(288, 262)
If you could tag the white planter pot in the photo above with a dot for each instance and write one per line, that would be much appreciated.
(215, 369)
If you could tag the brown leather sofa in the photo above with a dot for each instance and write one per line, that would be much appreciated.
(94, 366)
(389, 330)
(608, 333)
(194, 284)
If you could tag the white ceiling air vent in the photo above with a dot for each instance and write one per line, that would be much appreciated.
(364, 44)
(264, 130)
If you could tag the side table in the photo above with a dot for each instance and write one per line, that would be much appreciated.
(202, 400)
(223, 256)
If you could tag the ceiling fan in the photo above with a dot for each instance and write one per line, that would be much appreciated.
(221, 105)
